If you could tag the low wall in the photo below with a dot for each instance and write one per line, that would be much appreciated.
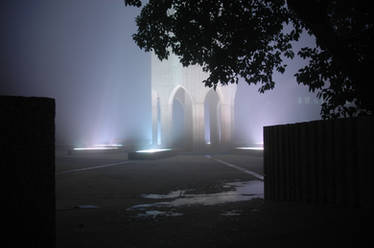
(323, 162)
(28, 170)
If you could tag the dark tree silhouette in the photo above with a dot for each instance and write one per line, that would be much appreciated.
(340, 67)
(244, 38)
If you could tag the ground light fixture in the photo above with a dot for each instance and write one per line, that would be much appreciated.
(253, 148)
(152, 153)
(93, 148)
(154, 150)
(99, 147)
(108, 145)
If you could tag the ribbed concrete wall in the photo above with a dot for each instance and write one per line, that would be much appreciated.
(27, 171)
(323, 162)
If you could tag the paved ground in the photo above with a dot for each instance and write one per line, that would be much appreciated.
(96, 195)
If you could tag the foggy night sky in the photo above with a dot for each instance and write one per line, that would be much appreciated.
(81, 53)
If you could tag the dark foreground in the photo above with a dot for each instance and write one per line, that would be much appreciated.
(188, 201)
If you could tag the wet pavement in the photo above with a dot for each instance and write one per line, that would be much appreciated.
(183, 201)
(233, 192)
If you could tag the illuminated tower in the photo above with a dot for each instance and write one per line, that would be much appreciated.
(185, 113)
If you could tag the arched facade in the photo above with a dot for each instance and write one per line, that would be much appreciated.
(173, 82)
(212, 118)
(181, 132)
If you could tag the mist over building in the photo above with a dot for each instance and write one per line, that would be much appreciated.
(81, 53)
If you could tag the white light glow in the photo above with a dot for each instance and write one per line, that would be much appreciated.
(99, 147)
(153, 150)
(250, 148)
(108, 145)
(94, 148)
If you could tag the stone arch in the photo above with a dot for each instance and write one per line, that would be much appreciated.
(175, 91)
(180, 105)
(212, 118)
(218, 91)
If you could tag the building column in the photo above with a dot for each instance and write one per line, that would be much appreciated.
(155, 116)
(198, 125)
(227, 116)
(188, 125)
(166, 113)
(213, 123)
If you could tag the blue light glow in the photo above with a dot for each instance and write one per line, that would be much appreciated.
(153, 150)
(94, 148)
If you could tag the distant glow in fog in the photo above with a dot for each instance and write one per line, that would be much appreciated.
(99, 147)
(109, 145)
(250, 148)
(153, 150)
(158, 135)
(94, 148)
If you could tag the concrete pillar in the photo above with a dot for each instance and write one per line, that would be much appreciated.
(198, 125)
(154, 118)
(165, 121)
(213, 117)
(188, 125)
(227, 114)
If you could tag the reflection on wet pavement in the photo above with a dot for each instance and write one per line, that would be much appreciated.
(231, 213)
(238, 191)
(172, 194)
(155, 213)
(86, 206)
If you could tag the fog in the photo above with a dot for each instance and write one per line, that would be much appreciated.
(288, 102)
(81, 53)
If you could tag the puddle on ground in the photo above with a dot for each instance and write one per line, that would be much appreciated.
(78, 207)
(86, 206)
(238, 191)
(231, 213)
(171, 195)
(156, 213)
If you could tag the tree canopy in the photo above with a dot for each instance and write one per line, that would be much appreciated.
(247, 39)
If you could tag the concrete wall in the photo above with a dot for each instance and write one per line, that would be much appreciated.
(27, 132)
(323, 162)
